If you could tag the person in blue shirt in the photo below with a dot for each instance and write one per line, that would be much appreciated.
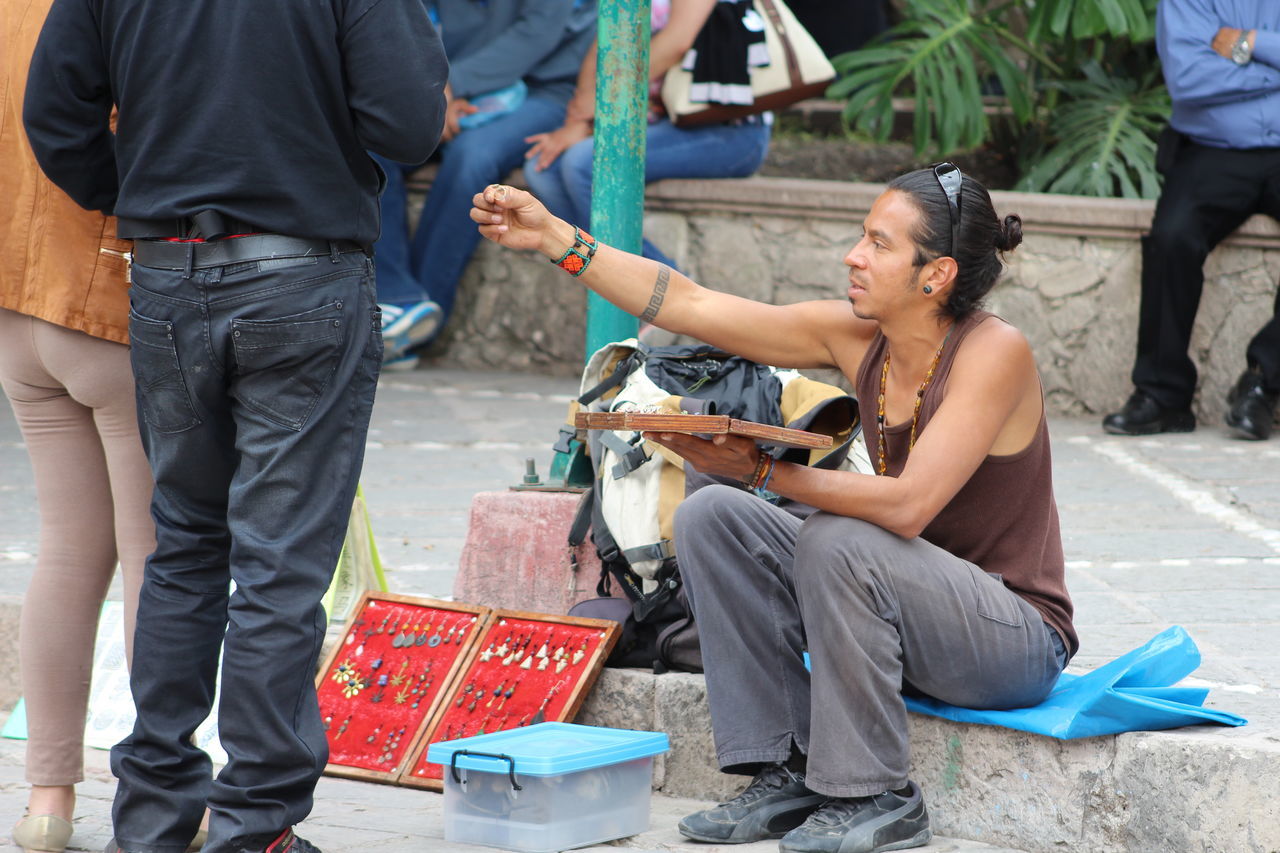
(1220, 159)
(512, 69)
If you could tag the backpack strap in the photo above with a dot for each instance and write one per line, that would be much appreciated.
(631, 455)
(577, 532)
(662, 550)
(568, 432)
(668, 578)
(613, 380)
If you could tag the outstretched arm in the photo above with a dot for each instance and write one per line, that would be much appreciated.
(805, 334)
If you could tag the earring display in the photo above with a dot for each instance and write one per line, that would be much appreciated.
(384, 679)
(527, 668)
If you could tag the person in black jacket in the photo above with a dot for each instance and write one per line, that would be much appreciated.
(238, 164)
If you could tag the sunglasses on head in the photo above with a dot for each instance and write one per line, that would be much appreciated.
(949, 178)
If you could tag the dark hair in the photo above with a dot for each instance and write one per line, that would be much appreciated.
(982, 235)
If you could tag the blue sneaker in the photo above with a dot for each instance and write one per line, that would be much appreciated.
(401, 363)
(406, 328)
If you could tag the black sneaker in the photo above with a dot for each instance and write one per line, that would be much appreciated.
(775, 803)
(287, 842)
(1142, 415)
(886, 821)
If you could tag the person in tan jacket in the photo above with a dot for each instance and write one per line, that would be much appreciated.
(64, 365)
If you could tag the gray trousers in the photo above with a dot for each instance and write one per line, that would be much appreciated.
(879, 614)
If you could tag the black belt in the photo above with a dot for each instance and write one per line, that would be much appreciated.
(164, 255)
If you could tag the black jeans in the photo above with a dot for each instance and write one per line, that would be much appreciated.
(1207, 194)
(255, 383)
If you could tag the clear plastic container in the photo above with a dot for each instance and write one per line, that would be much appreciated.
(548, 787)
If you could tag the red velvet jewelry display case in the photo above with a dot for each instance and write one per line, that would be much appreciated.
(383, 681)
(522, 669)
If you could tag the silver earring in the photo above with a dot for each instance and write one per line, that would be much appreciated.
(927, 289)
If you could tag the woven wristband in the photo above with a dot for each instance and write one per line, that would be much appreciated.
(764, 468)
(764, 484)
(575, 260)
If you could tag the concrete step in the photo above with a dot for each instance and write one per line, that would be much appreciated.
(1201, 788)
(351, 815)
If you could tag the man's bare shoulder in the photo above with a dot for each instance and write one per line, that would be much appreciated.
(995, 344)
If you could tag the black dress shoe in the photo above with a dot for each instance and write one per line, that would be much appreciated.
(1253, 407)
(1142, 415)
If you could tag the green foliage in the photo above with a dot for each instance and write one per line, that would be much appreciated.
(941, 56)
(1080, 91)
(1101, 140)
(1083, 19)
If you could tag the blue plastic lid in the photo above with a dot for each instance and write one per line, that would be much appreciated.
(549, 749)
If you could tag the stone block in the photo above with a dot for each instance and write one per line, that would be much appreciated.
(1003, 786)
(670, 233)
(690, 767)
(1191, 790)
(731, 257)
(1065, 279)
(516, 555)
(1200, 788)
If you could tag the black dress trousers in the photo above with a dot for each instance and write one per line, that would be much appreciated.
(1208, 193)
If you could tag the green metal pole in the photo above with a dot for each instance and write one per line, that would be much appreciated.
(622, 119)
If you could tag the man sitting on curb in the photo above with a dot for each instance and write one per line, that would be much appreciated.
(943, 575)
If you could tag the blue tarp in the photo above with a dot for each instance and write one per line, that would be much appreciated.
(1134, 692)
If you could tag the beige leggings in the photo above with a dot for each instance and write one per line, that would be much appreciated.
(73, 398)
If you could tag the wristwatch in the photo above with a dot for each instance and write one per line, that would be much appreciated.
(1242, 51)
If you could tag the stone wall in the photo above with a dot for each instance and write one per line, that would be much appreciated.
(1072, 286)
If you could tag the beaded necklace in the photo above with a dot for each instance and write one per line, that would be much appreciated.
(881, 465)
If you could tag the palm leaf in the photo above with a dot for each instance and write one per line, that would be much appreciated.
(1102, 138)
(941, 55)
(1081, 19)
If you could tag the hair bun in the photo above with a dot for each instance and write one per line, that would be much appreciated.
(1010, 233)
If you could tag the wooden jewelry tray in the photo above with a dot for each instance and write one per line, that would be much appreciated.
(701, 425)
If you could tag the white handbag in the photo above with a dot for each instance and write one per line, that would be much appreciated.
(798, 69)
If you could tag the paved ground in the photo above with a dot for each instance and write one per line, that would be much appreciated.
(352, 816)
(1169, 530)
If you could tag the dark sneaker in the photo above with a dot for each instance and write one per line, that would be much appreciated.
(287, 842)
(1253, 407)
(886, 821)
(775, 803)
(1142, 415)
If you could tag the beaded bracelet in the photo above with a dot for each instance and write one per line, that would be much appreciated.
(574, 260)
(764, 470)
(764, 485)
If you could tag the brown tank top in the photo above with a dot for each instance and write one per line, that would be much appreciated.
(1005, 518)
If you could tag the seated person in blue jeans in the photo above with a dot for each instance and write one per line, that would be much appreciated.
(559, 166)
(505, 51)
